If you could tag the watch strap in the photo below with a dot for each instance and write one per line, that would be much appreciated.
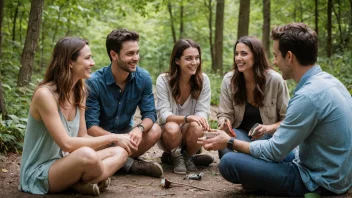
(230, 143)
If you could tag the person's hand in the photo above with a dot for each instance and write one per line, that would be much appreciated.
(200, 120)
(124, 141)
(222, 124)
(136, 135)
(261, 130)
(216, 143)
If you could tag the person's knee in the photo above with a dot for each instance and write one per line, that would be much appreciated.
(171, 129)
(87, 156)
(195, 130)
(154, 134)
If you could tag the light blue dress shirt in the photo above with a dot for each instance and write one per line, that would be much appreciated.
(319, 120)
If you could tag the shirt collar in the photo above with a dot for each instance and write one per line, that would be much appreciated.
(311, 72)
(109, 78)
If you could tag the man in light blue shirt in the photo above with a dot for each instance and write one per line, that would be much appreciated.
(318, 120)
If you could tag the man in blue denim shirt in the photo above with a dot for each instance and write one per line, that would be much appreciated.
(115, 92)
(318, 119)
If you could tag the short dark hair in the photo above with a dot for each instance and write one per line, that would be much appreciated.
(116, 38)
(299, 39)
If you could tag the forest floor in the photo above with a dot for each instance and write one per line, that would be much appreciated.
(124, 185)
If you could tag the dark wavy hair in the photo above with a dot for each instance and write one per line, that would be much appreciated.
(59, 73)
(175, 71)
(116, 38)
(299, 39)
(260, 64)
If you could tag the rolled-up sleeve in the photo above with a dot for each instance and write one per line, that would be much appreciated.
(299, 123)
(93, 108)
(164, 102)
(147, 104)
(203, 103)
(226, 109)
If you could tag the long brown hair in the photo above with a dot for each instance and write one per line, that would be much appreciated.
(175, 71)
(260, 64)
(59, 72)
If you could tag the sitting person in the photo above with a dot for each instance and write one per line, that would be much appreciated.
(183, 106)
(57, 152)
(318, 119)
(114, 94)
(252, 93)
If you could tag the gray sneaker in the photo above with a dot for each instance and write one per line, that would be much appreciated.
(140, 167)
(178, 162)
(189, 162)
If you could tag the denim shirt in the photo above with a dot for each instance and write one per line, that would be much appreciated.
(112, 109)
(319, 120)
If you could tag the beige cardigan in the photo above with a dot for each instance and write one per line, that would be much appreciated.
(166, 104)
(275, 102)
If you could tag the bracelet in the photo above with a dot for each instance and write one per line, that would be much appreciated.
(185, 118)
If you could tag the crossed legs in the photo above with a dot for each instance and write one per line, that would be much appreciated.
(87, 165)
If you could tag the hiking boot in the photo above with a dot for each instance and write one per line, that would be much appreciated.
(202, 159)
(140, 167)
(178, 161)
(198, 159)
(104, 184)
(189, 162)
(86, 188)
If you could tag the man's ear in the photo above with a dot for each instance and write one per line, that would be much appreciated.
(290, 56)
(114, 55)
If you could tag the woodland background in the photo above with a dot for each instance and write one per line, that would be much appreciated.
(30, 29)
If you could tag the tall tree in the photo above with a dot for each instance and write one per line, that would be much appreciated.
(169, 7)
(2, 4)
(266, 26)
(32, 37)
(243, 18)
(3, 110)
(209, 5)
(316, 14)
(329, 30)
(219, 35)
(181, 20)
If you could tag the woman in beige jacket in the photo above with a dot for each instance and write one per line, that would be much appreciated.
(252, 93)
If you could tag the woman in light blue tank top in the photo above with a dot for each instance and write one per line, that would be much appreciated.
(57, 152)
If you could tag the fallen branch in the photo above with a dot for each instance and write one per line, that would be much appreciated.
(165, 183)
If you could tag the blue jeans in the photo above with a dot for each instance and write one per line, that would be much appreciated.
(243, 135)
(281, 178)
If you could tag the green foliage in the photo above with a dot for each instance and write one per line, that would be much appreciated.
(215, 85)
(12, 134)
(339, 66)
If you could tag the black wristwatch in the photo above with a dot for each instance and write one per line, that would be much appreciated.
(185, 118)
(141, 127)
(230, 143)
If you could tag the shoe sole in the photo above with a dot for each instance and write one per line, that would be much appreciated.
(161, 168)
(180, 173)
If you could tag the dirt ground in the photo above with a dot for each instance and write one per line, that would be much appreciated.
(124, 185)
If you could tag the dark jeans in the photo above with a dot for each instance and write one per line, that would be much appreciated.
(281, 178)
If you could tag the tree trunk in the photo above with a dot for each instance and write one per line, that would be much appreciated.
(329, 44)
(316, 16)
(14, 22)
(169, 6)
(33, 32)
(209, 6)
(243, 18)
(266, 26)
(181, 21)
(219, 35)
(3, 110)
(1, 20)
